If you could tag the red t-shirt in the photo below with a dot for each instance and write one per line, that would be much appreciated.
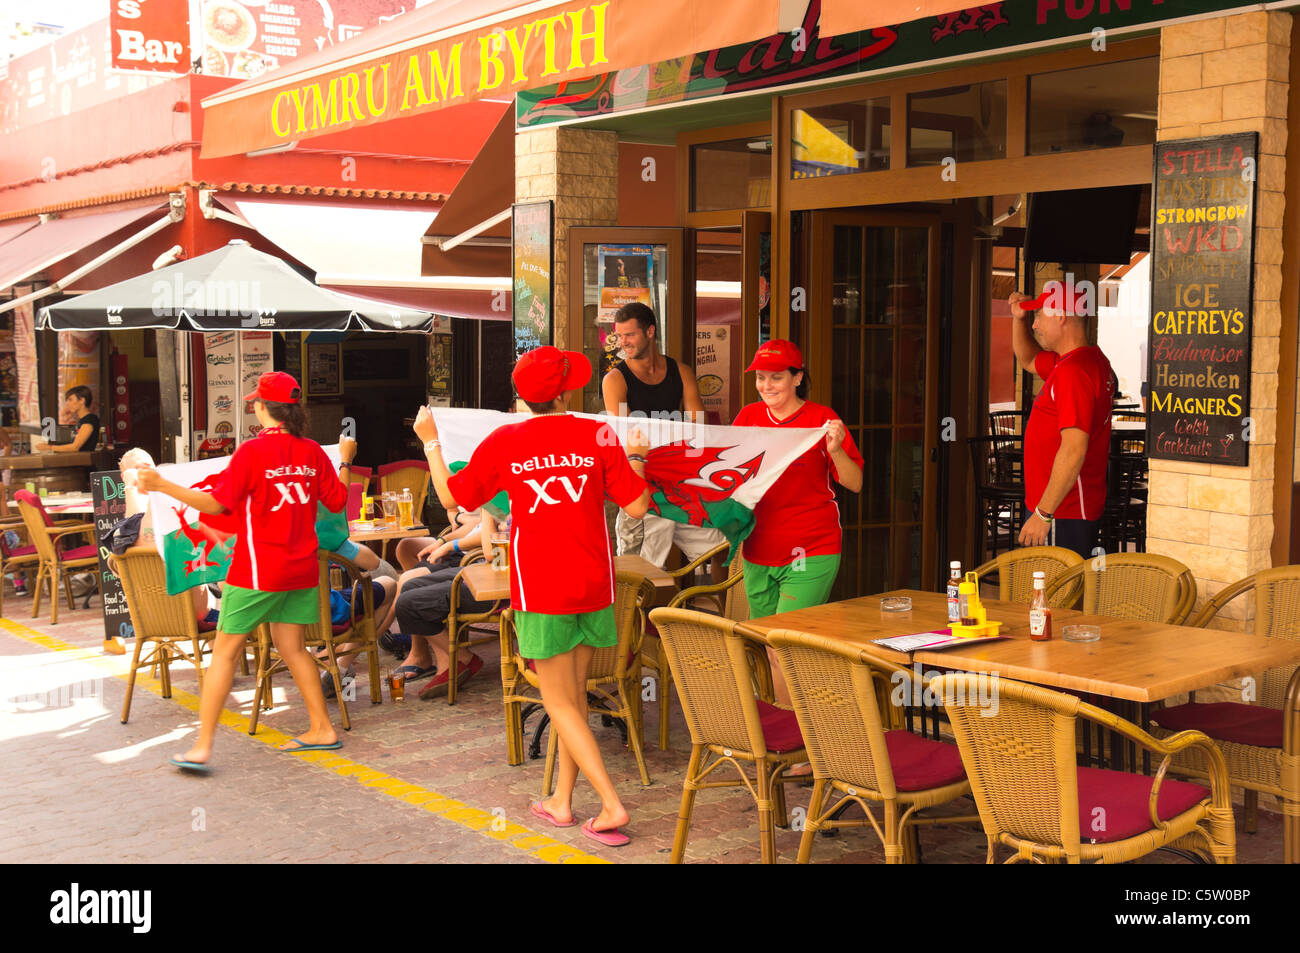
(271, 487)
(798, 511)
(557, 471)
(1077, 392)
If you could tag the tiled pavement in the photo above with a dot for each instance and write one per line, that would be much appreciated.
(415, 782)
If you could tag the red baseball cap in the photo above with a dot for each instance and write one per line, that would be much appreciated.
(1072, 300)
(776, 355)
(545, 373)
(277, 387)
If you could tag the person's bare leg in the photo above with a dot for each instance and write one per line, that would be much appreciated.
(560, 804)
(780, 691)
(442, 651)
(199, 599)
(408, 549)
(419, 656)
(347, 652)
(226, 648)
(390, 612)
(290, 642)
(560, 684)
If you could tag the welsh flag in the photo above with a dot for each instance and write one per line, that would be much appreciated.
(698, 474)
(197, 548)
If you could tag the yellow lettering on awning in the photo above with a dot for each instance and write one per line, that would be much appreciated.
(489, 55)
(371, 107)
(597, 36)
(275, 115)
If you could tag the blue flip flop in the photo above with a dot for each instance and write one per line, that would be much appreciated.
(200, 767)
(299, 746)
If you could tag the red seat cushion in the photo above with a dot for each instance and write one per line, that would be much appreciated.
(80, 552)
(340, 628)
(206, 626)
(21, 551)
(780, 728)
(1226, 721)
(922, 763)
(1113, 804)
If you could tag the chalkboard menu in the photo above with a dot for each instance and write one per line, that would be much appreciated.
(1202, 268)
(109, 503)
(532, 251)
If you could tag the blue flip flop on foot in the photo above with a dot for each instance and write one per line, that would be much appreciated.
(301, 746)
(201, 767)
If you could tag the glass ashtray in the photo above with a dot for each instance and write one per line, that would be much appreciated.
(1081, 633)
(896, 604)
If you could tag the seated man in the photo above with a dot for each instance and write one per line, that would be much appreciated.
(422, 607)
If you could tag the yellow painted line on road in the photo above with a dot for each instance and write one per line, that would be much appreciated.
(475, 819)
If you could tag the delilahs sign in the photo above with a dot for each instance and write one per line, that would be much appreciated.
(804, 55)
(1202, 263)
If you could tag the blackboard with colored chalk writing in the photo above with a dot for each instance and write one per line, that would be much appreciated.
(1202, 280)
(109, 504)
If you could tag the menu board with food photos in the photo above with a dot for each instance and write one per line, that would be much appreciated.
(246, 38)
(1202, 267)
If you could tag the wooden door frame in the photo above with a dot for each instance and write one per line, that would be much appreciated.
(817, 348)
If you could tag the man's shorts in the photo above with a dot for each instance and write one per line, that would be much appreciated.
(653, 537)
(542, 635)
(803, 583)
(243, 610)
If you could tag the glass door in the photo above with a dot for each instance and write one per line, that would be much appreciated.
(873, 342)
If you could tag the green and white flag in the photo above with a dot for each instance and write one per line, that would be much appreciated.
(698, 474)
(197, 549)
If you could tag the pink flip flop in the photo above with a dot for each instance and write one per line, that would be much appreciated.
(610, 838)
(544, 814)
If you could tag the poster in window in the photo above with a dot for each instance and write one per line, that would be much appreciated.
(532, 253)
(626, 275)
(324, 368)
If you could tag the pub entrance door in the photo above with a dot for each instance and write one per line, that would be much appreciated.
(873, 322)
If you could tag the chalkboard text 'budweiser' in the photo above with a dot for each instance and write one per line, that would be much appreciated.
(1202, 248)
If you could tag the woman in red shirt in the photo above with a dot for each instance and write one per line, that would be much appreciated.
(271, 487)
(793, 554)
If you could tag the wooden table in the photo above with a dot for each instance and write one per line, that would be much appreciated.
(1136, 661)
(378, 535)
(487, 584)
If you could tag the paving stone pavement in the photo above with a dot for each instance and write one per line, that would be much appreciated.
(416, 781)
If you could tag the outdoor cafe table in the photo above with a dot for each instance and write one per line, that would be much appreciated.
(380, 532)
(1136, 662)
(486, 583)
(67, 503)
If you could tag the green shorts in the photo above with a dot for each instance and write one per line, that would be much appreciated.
(803, 583)
(543, 636)
(243, 610)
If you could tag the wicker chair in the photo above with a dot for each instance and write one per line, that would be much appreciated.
(728, 723)
(1016, 570)
(1142, 586)
(322, 634)
(461, 624)
(164, 623)
(402, 475)
(57, 562)
(1260, 742)
(1033, 798)
(836, 689)
(728, 597)
(17, 559)
(614, 677)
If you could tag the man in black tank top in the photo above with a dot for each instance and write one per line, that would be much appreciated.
(647, 383)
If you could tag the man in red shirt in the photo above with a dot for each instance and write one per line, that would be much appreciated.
(557, 470)
(1067, 438)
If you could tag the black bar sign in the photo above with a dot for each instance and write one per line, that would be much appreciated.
(109, 503)
(1202, 281)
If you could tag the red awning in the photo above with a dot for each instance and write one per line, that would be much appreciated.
(55, 240)
(849, 16)
(11, 230)
(458, 51)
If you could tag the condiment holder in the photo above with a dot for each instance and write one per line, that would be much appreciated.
(971, 608)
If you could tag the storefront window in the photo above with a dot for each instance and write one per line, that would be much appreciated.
(840, 139)
(1094, 107)
(735, 173)
(959, 123)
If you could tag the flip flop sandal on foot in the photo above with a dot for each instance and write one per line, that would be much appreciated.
(610, 838)
(412, 672)
(299, 745)
(544, 814)
(198, 767)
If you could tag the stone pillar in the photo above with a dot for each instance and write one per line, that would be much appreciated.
(1217, 76)
(577, 169)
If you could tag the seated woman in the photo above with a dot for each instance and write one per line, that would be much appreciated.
(345, 605)
(76, 407)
